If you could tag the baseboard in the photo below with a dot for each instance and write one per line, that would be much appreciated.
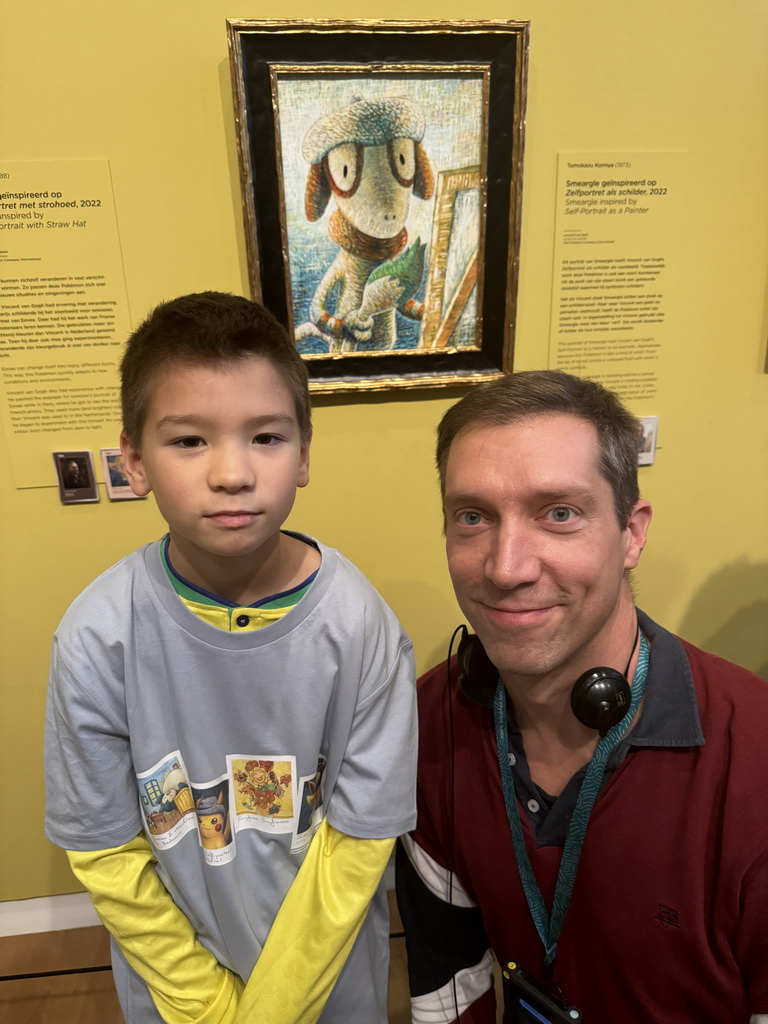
(46, 914)
(75, 910)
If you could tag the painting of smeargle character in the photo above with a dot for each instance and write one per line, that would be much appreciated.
(383, 203)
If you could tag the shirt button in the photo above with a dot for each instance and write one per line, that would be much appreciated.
(242, 620)
(512, 760)
(533, 806)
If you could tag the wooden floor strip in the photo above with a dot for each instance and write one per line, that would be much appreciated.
(89, 997)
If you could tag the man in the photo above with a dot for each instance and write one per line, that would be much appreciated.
(659, 910)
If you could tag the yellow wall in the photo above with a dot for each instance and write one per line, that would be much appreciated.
(146, 84)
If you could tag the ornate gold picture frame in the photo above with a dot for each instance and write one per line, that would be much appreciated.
(381, 169)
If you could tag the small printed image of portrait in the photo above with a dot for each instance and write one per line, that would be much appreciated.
(649, 434)
(117, 474)
(75, 474)
(213, 821)
(75, 477)
(311, 797)
(647, 451)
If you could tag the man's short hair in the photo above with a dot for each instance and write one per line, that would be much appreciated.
(206, 329)
(518, 396)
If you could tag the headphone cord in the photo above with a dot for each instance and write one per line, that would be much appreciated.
(634, 646)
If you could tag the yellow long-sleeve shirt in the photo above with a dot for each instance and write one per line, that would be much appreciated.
(309, 941)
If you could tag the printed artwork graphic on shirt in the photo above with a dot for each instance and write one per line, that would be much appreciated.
(263, 791)
(311, 811)
(167, 801)
(213, 820)
(254, 792)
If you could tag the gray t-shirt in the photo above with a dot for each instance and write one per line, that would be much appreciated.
(228, 748)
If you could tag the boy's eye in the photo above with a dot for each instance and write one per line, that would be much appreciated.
(265, 439)
(189, 442)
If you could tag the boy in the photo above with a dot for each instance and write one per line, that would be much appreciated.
(223, 692)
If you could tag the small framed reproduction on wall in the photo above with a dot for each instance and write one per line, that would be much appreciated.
(115, 477)
(76, 478)
(381, 169)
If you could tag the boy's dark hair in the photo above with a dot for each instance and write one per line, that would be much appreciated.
(517, 396)
(206, 329)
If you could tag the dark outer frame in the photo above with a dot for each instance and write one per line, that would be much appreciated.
(255, 46)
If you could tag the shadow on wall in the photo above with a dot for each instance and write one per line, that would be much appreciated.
(414, 601)
(729, 616)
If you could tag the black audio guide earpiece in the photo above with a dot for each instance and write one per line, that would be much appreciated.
(600, 697)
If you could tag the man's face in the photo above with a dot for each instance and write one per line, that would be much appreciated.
(536, 555)
(221, 450)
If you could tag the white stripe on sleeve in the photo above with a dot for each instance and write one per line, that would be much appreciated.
(439, 880)
(444, 1005)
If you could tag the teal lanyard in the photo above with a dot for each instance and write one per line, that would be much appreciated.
(549, 928)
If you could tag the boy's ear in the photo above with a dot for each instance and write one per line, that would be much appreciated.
(303, 475)
(134, 467)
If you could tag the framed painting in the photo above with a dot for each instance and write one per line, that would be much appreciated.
(76, 478)
(381, 170)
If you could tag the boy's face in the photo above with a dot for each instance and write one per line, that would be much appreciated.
(221, 450)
